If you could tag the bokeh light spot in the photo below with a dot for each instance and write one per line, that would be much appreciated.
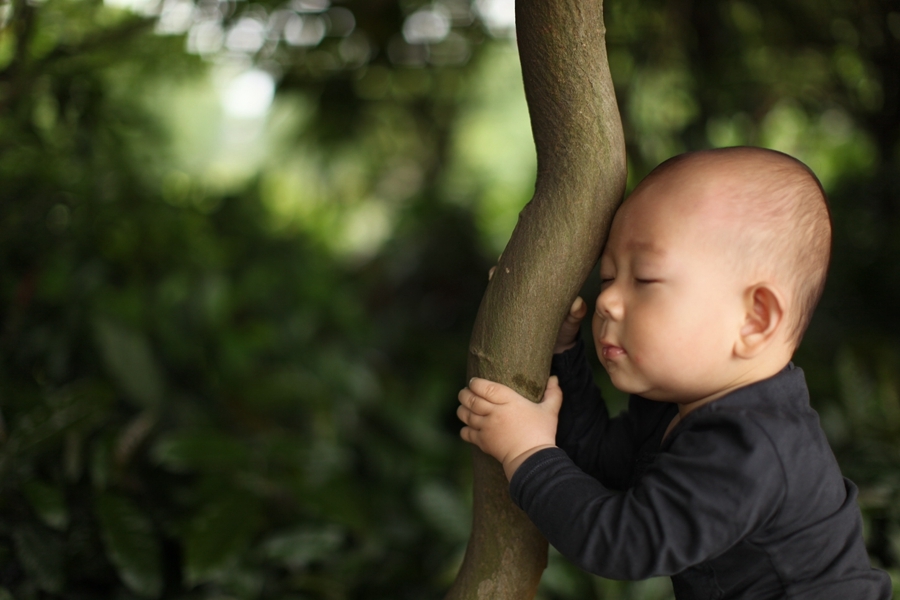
(177, 17)
(205, 37)
(249, 95)
(247, 35)
(499, 16)
(310, 6)
(426, 27)
(304, 31)
(342, 22)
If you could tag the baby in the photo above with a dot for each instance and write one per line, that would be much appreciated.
(718, 474)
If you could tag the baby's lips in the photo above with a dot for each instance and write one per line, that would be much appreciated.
(610, 351)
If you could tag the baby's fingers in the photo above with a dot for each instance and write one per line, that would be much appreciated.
(570, 327)
(578, 310)
(471, 419)
(470, 435)
(491, 391)
(553, 396)
(470, 400)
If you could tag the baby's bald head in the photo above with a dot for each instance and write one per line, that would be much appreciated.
(772, 213)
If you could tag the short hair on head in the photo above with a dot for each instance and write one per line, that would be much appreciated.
(785, 220)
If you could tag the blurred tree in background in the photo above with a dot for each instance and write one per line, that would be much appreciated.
(243, 243)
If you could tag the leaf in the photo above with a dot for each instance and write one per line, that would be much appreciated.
(40, 554)
(48, 503)
(131, 544)
(218, 535)
(77, 406)
(130, 361)
(200, 450)
(296, 549)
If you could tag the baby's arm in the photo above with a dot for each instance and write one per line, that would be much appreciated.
(714, 485)
(584, 428)
(507, 425)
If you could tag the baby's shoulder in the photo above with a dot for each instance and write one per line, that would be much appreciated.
(788, 432)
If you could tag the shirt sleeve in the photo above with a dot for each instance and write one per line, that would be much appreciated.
(717, 482)
(602, 446)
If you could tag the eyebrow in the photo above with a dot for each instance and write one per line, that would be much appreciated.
(646, 247)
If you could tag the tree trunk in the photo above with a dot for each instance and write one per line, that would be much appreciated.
(580, 182)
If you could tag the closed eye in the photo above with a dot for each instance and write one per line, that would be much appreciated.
(646, 281)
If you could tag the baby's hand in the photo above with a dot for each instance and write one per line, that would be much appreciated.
(506, 425)
(568, 331)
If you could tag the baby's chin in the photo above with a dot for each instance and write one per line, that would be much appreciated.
(645, 390)
(624, 378)
(624, 383)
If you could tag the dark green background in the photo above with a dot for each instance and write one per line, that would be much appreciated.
(214, 384)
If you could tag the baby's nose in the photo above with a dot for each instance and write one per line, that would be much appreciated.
(609, 303)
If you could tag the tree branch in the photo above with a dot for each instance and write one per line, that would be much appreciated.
(580, 182)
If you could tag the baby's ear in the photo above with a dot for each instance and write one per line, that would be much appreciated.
(764, 320)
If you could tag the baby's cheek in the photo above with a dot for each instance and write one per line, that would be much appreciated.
(646, 365)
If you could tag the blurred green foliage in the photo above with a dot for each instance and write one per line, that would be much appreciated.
(230, 345)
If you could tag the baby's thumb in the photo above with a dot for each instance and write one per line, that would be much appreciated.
(578, 309)
(553, 395)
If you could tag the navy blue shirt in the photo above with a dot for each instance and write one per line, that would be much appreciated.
(743, 498)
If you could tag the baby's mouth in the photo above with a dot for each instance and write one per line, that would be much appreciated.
(610, 351)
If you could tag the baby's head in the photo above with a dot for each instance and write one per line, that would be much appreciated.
(711, 273)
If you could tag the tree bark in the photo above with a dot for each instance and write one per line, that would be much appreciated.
(580, 182)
